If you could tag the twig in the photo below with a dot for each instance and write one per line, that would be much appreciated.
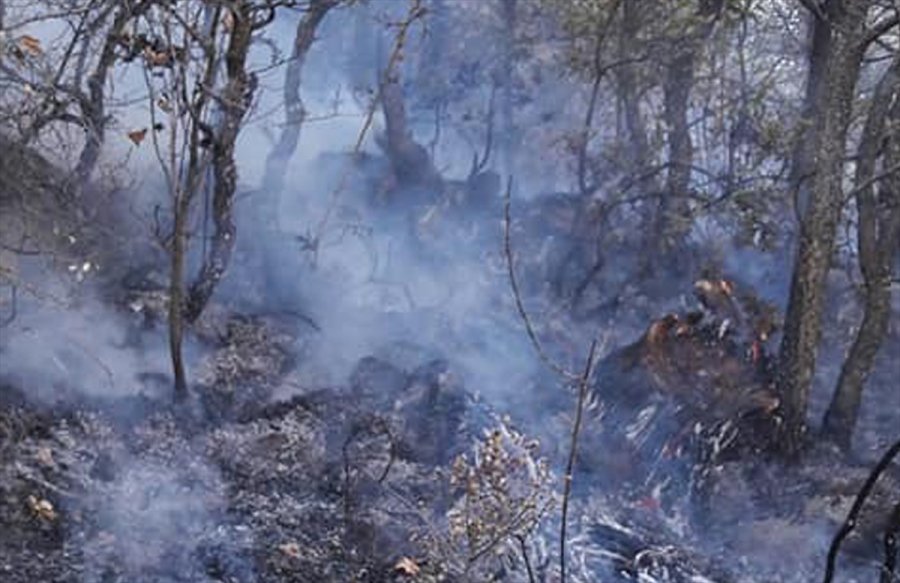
(570, 464)
(853, 515)
(890, 546)
(517, 295)
(524, 550)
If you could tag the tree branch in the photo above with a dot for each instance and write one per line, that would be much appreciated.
(852, 517)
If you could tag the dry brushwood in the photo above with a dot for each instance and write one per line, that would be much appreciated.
(505, 491)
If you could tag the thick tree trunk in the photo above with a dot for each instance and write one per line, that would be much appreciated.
(235, 100)
(802, 329)
(878, 229)
(410, 161)
(802, 157)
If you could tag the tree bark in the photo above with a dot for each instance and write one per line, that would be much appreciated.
(802, 329)
(877, 231)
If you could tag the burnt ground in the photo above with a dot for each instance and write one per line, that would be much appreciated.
(363, 482)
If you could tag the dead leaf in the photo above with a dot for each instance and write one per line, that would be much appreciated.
(31, 44)
(42, 508)
(407, 566)
(290, 549)
(156, 58)
(44, 455)
(137, 136)
(164, 104)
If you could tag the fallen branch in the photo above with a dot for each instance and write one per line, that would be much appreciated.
(853, 515)
(524, 549)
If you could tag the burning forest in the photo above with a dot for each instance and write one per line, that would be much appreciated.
(449, 290)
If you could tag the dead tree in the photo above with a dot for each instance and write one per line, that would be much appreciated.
(878, 210)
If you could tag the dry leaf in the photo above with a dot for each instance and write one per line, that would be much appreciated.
(45, 456)
(164, 104)
(290, 549)
(156, 59)
(31, 44)
(137, 136)
(42, 508)
(407, 566)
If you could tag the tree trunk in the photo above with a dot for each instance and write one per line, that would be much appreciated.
(410, 161)
(802, 157)
(802, 329)
(295, 112)
(507, 145)
(176, 295)
(674, 218)
(877, 231)
(627, 76)
(234, 102)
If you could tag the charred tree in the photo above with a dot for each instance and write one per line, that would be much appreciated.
(410, 162)
(802, 327)
(878, 210)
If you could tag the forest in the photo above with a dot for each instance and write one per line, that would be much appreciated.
(449, 290)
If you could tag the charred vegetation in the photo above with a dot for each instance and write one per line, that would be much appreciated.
(268, 313)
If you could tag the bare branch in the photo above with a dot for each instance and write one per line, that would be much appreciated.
(583, 383)
(517, 295)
